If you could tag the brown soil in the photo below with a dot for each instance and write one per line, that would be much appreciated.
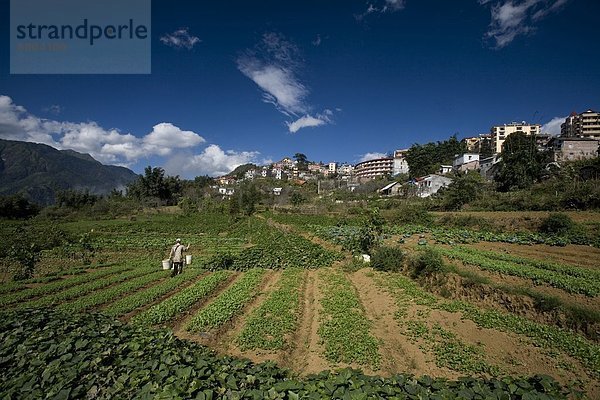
(581, 256)
(397, 352)
(307, 354)
(515, 355)
(516, 282)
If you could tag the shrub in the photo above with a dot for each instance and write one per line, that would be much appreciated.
(557, 224)
(387, 259)
(425, 263)
(220, 261)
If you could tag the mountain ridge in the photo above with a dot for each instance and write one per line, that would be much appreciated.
(38, 171)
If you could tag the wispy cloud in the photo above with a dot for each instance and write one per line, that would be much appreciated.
(180, 39)
(381, 6)
(513, 18)
(371, 156)
(317, 41)
(274, 65)
(553, 126)
(309, 121)
(53, 109)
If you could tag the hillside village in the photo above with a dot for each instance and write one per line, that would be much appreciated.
(579, 140)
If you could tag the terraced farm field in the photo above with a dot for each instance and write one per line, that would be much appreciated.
(286, 292)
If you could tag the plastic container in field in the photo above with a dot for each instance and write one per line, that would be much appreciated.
(166, 264)
(188, 260)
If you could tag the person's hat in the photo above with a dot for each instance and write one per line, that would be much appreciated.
(178, 240)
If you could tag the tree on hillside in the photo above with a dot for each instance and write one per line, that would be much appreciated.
(464, 189)
(427, 159)
(154, 184)
(17, 207)
(522, 164)
(241, 170)
(302, 161)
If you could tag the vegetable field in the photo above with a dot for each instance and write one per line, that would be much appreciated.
(290, 295)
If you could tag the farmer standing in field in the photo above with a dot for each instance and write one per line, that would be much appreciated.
(177, 257)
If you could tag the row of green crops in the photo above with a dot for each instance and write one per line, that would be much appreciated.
(566, 269)
(96, 299)
(181, 301)
(266, 328)
(557, 279)
(228, 303)
(7, 287)
(275, 248)
(81, 290)
(406, 291)
(344, 328)
(147, 296)
(45, 354)
(452, 236)
(60, 285)
(448, 349)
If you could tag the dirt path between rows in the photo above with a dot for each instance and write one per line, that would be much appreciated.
(398, 354)
(307, 354)
(581, 256)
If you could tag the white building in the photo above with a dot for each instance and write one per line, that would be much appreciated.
(445, 169)
(332, 168)
(430, 184)
(400, 163)
(465, 162)
(345, 169)
(501, 132)
(584, 125)
(373, 168)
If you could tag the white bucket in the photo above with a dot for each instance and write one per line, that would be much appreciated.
(166, 264)
(188, 260)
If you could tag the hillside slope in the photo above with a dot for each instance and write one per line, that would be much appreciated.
(38, 171)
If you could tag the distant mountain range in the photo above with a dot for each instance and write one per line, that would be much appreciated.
(38, 171)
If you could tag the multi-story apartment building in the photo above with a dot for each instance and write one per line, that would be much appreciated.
(373, 168)
(584, 125)
(345, 169)
(574, 148)
(400, 163)
(332, 168)
(501, 132)
(472, 144)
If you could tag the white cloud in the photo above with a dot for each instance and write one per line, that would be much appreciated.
(382, 6)
(553, 126)
(304, 122)
(53, 109)
(273, 64)
(308, 121)
(317, 41)
(371, 156)
(512, 18)
(180, 38)
(212, 161)
(105, 145)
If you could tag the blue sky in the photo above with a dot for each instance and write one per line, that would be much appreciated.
(235, 82)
